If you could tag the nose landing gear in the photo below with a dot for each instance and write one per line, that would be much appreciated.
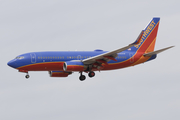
(27, 76)
(25, 71)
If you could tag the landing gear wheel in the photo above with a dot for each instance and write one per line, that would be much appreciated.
(91, 74)
(27, 76)
(82, 77)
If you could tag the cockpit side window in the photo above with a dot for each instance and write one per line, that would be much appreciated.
(19, 57)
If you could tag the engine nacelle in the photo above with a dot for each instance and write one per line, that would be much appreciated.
(59, 73)
(74, 65)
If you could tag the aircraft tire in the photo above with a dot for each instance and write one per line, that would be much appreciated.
(91, 74)
(82, 77)
(27, 76)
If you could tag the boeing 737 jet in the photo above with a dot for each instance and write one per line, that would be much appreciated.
(64, 63)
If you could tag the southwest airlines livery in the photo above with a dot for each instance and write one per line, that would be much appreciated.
(64, 63)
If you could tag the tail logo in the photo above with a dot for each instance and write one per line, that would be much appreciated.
(146, 33)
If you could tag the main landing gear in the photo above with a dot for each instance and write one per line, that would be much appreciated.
(91, 74)
(83, 77)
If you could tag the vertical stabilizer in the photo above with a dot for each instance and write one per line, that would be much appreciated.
(148, 39)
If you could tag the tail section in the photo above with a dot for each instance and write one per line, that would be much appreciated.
(147, 37)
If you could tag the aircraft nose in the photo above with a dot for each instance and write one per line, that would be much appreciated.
(12, 64)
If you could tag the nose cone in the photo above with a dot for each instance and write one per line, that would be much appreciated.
(12, 64)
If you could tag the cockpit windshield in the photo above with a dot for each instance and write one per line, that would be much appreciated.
(19, 57)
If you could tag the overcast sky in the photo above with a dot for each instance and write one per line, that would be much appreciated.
(144, 92)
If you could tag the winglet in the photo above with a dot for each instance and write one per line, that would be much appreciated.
(156, 52)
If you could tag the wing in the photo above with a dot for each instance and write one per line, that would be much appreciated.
(105, 57)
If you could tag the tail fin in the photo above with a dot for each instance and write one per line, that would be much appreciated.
(148, 38)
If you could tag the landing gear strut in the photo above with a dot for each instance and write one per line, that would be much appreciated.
(82, 77)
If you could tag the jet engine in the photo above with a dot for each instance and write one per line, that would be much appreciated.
(74, 65)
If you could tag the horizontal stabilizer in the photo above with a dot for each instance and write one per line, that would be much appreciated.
(156, 52)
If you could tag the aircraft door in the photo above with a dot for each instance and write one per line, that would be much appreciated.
(131, 57)
(33, 58)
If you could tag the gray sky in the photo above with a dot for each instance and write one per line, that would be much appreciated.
(143, 92)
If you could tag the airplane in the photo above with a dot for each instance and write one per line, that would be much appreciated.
(64, 63)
